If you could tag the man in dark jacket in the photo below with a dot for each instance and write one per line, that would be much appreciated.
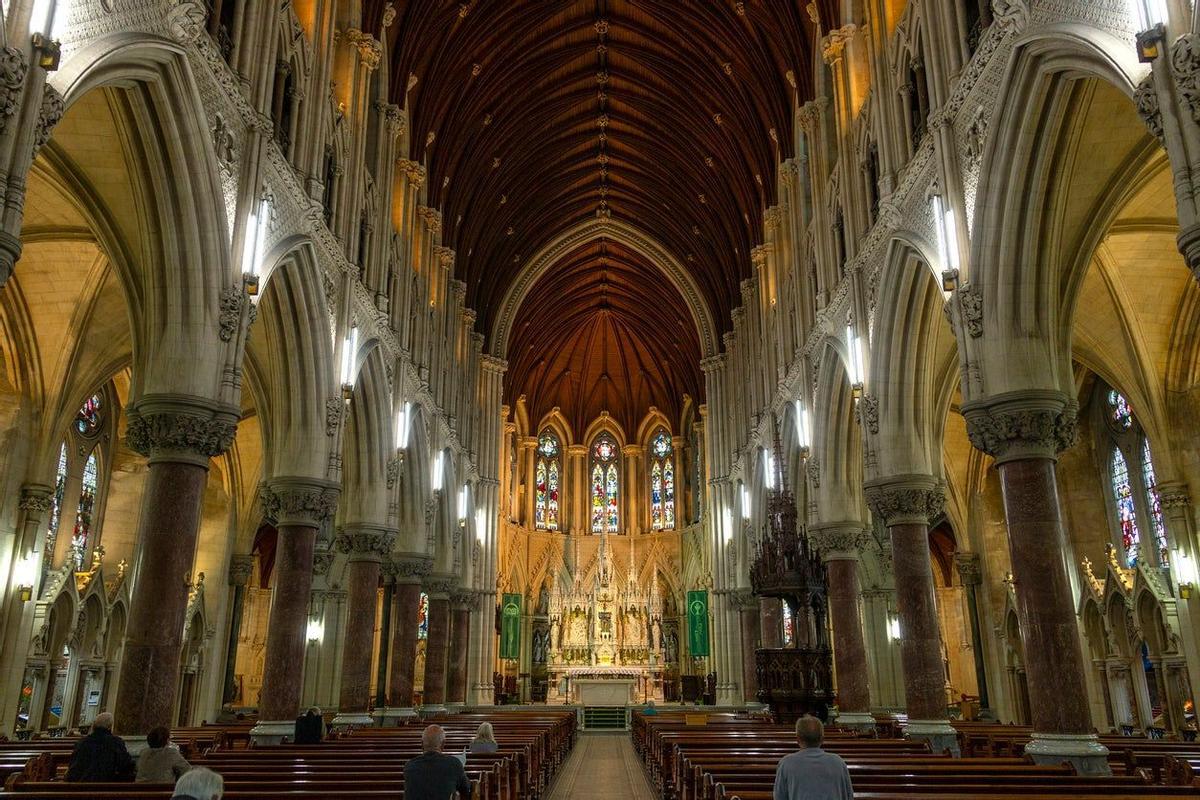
(101, 756)
(310, 727)
(434, 775)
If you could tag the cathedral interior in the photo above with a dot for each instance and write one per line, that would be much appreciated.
(416, 357)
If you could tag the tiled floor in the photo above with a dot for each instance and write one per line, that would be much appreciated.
(602, 766)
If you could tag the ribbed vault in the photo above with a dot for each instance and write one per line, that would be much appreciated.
(603, 330)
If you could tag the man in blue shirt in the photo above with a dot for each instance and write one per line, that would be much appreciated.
(810, 773)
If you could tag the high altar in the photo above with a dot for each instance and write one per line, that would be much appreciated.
(606, 641)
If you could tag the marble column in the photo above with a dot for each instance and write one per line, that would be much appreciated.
(239, 573)
(839, 545)
(409, 571)
(770, 611)
(298, 506)
(460, 628)
(367, 546)
(971, 576)
(748, 607)
(905, 504)
(436, 647)
(1024, 432)
(179, 438)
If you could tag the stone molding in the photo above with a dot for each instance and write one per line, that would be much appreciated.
(440, 587)
(743, 600)
(240, 567)
(1037, 423)
(970, 570)
(409, 567)
(178, 428)
(365, 542)
(905, 499)
(464, 600)
(304, 502)
(35, 499)
(838, 541)
(1174, 495)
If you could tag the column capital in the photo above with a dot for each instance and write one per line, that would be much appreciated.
(969, 568)
(180, 428)
(464, 600)
(743, 600)
(35, 498)
(299, 501)
(1174, 494)
(835, 42)
(1035, 423)
(365, 541)
(905, 499)
(440, 587)
(838, 541)
(409, 567)
(240, 567)
(495, 365)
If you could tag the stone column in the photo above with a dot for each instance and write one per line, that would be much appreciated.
(460, 627)
(905, 504)
(1177, 506)
(409, 570)
(839, 544)
(367, 546)
(298, 506)
(748, 607)
(971, 576)
(385, 641)
(239, 572)
(770, 611)
(1024, 432)
(436, 647)
(179, 436)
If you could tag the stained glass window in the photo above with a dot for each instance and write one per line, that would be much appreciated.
(605, 485)
(423, 617)
(1126, 515)
(1157, 523)
(87, 420)
(662, 482)
(83, 514)
(56, 502)
(789, 627)
(546, 478)
(1120, 414)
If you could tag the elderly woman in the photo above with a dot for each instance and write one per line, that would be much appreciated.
(485, 740)
(161, 761)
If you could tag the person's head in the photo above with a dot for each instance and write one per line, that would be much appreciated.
(314, 711)
(485, 734)
(432, 739)
(159, 737)
(649, 704)
(103, 720)
(200, 783)
(809, 731)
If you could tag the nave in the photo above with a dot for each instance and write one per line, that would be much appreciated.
(602, 765)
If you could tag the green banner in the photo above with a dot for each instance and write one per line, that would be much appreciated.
(697, 617)
(510, 626)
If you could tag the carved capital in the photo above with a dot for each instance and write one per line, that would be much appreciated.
(370, 51)
(809, 117)
(868, 413)
(440, 587)
(394, 116)
(240, 567)
(833, 45)
(13, 67)
(1185, 68)
(969, 569)
(1174, 495)
(179, 429)
(838, 541)
(906, 499)
(49, 114)
(304, 502)
(970, 305)
(1145, 97)
(744, 600)
(431, 217)
(444, 256)
(365, 542)
(464, 600)
(35, 499)
(1037, 423)
(410, 567)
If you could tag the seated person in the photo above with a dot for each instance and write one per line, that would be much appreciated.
(161, 761)
(200, 783)
(101, 757)
(485, 740)
(310, 727)
(649, 710)
(434, 775)
(810, 773)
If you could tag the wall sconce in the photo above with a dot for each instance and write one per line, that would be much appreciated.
(1185, 574)
(768, 469)
(42, 19)
(25, 575)
(727, 524)
(349, 354)
(854, 351)
(462, 505)
(315, 631)
(803, 432)
(252, 252)
(435, 478)
(745, 503)
(893, 627)
(947, 234)
(1150, 16)
(949, 280)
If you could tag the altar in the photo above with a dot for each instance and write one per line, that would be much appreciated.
(604, 691)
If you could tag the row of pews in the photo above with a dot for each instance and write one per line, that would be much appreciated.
(360, 765)
(730, 757)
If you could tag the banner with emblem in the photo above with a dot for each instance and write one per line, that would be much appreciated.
(697, 619)
(510, 626)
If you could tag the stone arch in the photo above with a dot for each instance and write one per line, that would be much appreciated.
(368, 442)
(836, 467)
(416, 487)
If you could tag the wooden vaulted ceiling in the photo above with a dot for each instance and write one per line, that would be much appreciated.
(532, 116)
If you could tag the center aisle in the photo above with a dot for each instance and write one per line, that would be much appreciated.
(602, 765)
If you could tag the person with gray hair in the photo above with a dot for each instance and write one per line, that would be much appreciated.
(434, 775)
(200, 783)
(101, 757)
(811, 773)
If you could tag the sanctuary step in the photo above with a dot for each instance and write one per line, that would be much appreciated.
(604, 718)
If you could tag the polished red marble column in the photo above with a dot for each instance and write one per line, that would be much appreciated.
(436, 649)
(460, 642)
(771, 622)
(404, 643)
(1024, 432)
(749, 609)
(839, 546)
(179, 436)
(299, 506)
(367, 546)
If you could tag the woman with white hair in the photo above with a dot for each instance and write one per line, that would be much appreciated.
(199, 784)
(485, 740)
